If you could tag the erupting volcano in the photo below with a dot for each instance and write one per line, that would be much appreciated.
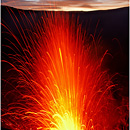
(57, 78)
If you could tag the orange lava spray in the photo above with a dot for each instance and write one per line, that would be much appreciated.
(59, 81)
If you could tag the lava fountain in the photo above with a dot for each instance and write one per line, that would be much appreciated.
(58, 82)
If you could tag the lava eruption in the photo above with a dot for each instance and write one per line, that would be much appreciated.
(57, 79)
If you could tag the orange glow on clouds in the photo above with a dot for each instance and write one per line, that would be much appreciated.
(66, 5)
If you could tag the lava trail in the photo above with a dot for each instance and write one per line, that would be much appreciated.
(57, 78)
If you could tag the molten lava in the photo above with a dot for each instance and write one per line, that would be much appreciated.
(59, 83)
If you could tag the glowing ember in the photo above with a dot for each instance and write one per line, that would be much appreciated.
(59, 84)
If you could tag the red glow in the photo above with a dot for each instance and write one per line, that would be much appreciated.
(60, 84)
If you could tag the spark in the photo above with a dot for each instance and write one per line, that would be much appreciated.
(60, 84)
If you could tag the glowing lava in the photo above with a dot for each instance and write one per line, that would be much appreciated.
(59, 81)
